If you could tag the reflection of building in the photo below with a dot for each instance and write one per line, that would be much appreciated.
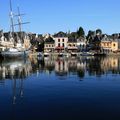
(49, 65)
(72, 64)
(81, 64)
(61, 67)
(109, 63)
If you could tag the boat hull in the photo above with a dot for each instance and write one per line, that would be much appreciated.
(15, 54)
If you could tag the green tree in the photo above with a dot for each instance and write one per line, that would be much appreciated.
(81, 32)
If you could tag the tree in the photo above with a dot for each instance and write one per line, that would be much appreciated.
(97, 42)
(91, 33)
(81, 32)
(90, 36)
(99, 31)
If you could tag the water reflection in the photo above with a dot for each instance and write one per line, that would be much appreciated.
(14, 69)
(37, 83)
(92, 66)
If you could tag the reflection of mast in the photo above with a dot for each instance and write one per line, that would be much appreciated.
(21, 88)
(14, 91)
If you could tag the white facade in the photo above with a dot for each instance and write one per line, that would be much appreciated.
(61, 42)
(81, 42)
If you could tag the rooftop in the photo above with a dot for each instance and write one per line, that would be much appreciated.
(60, 34)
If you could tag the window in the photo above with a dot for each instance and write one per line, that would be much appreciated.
(58, 40)
(58, 44)
(46, 45)
(62, 40)
(63, 45)
(49, 46)
(69, 45)
(114, 45)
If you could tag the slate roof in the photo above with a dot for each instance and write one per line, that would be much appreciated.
(60, 34)
(49, 41)
(72, 40)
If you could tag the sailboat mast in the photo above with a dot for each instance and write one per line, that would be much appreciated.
(19, 20)
(11, 17)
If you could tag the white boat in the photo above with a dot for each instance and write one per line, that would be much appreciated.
(87, 54)
(13, 52)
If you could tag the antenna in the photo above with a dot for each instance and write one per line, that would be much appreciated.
(11, 17)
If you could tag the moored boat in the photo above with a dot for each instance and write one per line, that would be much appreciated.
(20, 46)
(13, 52)
(87, 54)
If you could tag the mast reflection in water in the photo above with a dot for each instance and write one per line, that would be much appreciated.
(74, 88)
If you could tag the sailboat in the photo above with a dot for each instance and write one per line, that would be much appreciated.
(19, 49)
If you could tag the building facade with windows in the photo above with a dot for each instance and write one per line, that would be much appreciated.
(49, 45)
(61, 40)
(72, 45)
(109, 45)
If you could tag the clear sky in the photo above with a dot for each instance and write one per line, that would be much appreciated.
(51, 16)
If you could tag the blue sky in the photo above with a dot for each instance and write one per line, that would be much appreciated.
(51, 16)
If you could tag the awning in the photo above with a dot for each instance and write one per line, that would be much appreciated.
(59, 48)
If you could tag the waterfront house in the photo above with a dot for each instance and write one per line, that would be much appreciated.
(49, 45)
(6, 41)
(109, 45)
(81, 43)
(26, 41)
(61, 41)
(72, 45)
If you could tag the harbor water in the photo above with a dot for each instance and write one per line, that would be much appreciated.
(60, 89)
